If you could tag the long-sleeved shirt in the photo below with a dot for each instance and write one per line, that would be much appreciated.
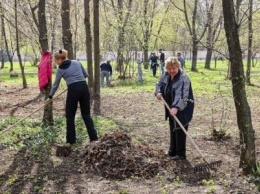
(162, 58)
(72, 71)
(182, 61)
(106, 67)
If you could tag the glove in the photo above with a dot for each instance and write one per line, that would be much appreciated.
(48, 100)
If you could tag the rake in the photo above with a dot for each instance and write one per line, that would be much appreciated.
(199, 167)
(22, 119)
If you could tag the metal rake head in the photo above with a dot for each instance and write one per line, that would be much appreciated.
(207, 166)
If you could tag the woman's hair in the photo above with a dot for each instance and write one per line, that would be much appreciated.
(172, 62)
(61, 54)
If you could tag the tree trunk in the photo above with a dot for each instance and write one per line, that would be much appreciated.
(18, 46)
(146, 57)
(146, 35)
(2, 36)
(2, 60)
(120, 60)
(250, 41)
(97, 99)
(208, 57)
(43, 35)
(194, 56)
(66, 31)
(210, 37)
(43, 39)
(76, 15)
(53, 33)
(244, 122)
(10, 58)
(89, 44)
(238, 5)
(53, 37)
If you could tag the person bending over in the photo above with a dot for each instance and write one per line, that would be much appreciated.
(75, 76)
(105, 72)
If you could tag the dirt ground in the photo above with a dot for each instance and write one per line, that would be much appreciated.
(142, 116)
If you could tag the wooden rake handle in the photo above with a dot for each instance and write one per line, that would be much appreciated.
(22, 119)
(184, 130)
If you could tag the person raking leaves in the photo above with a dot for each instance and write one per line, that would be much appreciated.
(175, 87)
(75, 76)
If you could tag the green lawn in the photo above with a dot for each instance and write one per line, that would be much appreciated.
(205, 82)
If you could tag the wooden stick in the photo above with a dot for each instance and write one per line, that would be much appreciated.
(22, 119)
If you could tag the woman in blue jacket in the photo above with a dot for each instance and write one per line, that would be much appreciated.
(75, 76)
(175, 87)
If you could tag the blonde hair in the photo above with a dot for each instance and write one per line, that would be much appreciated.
(172, 62)
(61, 54)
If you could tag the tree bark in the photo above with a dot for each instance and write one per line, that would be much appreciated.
(194, 55)
(43, 39)
(250, 41)
(97, 98)
(146, 57)
(10, 58)
(66, 28)
(208, 57)
(76, 17)
(244, 122)
(18, 46)
(121, 39)
(209, 36)
(89, 44)
(238, 5)
(53, 33)
(2, 36)
(43, 35)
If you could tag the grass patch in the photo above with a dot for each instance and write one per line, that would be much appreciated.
(31, 132)
(204, 82)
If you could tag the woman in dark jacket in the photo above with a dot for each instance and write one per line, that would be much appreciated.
(75, 76)
(175, 87)
(154, 63)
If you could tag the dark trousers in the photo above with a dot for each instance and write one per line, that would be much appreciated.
(78, 92)
(177, 140)
(154, 68)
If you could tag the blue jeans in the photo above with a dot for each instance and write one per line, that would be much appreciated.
(162, 67)
(105, 74)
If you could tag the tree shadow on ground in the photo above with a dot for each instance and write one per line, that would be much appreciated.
(23, 104)
(36, 169)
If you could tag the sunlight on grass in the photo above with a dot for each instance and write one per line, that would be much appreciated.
(205, 82)
(31, 132)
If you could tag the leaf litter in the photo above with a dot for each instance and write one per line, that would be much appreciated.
(115, 156)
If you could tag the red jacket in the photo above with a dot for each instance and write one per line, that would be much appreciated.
(45, 69)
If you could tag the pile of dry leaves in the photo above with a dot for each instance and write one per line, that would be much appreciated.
(114, 156)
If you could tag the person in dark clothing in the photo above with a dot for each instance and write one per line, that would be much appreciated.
(162, 60)
(105, 71)
(75, 76)
(175, 87)
(154, 64)
(181, 59)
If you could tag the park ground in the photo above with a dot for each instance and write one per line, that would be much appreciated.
(28, 160)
